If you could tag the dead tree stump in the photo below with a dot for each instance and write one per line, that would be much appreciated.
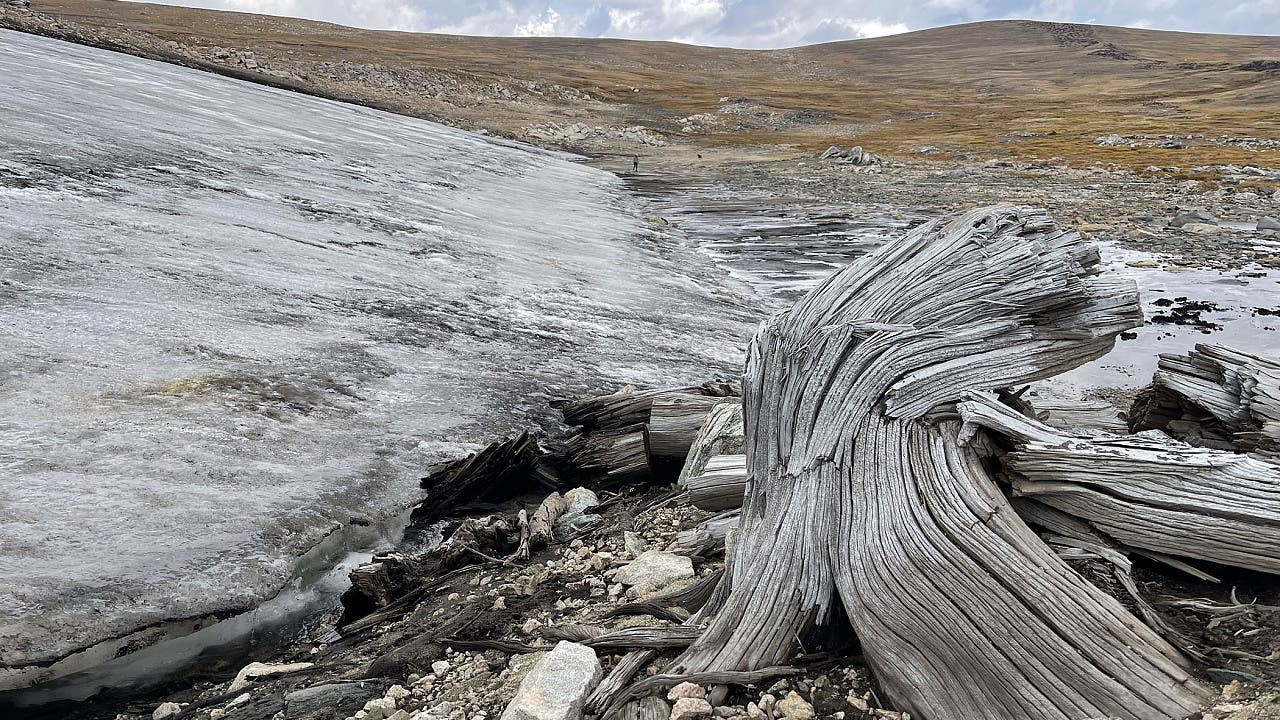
(860, 495)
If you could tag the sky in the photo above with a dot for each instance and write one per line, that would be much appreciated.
(753, 23)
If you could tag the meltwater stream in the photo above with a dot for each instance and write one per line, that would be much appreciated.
(233, 318)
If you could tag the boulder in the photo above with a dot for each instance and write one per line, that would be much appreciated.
(557, 687)
(1266, 222)
(1201, 228)
(1203, 217)
(655, 568)
(166, 710)
(575, 518)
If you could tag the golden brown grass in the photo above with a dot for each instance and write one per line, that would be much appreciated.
(977, 89)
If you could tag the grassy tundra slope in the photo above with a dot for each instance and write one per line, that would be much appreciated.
(1030, 90)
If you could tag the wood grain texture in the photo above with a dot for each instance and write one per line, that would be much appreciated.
(859, 495)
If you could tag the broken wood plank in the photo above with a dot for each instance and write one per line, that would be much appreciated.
(720, 485)
(860, 496)
(499, 472)
(611, 458)
(1147, 491)
(1214, 396)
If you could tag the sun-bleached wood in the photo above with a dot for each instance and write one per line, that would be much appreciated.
(859, 495)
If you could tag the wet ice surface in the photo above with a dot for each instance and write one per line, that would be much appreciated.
(235, 317)
(1239, 308)
(780, 247)
(783, 247)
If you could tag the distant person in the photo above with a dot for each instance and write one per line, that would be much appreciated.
(635, 163)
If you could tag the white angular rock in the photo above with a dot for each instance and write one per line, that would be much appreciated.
(690, 708)
(578, 500)
(686, 690)
(558, 686)
(656, 568)
(166, 710)
(440, 667)
(255, 670)
(794, 707)
(379, 708)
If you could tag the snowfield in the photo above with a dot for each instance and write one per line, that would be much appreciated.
(233, 318)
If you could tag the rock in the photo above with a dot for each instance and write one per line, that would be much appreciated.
(336, 698)
(690, 708)
(399, 715)
(397, 693)
(1201, 228)
(634, 544)
(557, 687)
(1245, 197)
(1266, 222)
(440, 667)
(687, 690)
(256, 670)
(1193, 217)
(755, 713)
(794, 707)
(166, 710)
(578, 500)
(240, 700)
(379, 708)
(656, 568)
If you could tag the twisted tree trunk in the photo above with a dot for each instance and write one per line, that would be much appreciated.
(860, 494)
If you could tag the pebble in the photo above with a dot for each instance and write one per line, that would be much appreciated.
(690, 708)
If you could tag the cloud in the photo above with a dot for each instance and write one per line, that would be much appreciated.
(753, 23)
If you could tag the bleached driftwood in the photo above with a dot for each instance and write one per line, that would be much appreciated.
(1214, 396)
(720, 485)
(720, 434)
(859, 496)
(1080, 415)
(674, 422)
(707, 536)
(1147, 491)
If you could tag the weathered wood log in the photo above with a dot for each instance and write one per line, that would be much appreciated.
(720, 485)
(720, 434)
(612, 458)
(1080, 415)
(1214, 396)
(709, 535)
(1147, 491)
(629, 406)
(536, 532)
(859, 496)
(499, 472)
(674, 423)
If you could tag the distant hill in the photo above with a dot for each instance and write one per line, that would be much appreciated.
(1026, 89)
